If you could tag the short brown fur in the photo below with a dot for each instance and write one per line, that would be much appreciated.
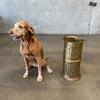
(30, 48)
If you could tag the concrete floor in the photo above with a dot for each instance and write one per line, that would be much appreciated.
(54, 86)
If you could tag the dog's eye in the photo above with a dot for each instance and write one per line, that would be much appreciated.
(20, 27)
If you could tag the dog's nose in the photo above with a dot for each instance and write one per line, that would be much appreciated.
(10, 32)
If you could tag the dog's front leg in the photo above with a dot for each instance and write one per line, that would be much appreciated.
(26, 68)
(39, 70)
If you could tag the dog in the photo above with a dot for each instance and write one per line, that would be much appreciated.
(30, 48)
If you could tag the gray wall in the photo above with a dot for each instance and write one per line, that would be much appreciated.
(95, 21)
(50, 16)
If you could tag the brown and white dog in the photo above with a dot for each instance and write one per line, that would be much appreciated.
(30, 48)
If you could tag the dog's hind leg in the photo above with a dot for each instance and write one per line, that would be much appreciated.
(47, 66)
(49, 69)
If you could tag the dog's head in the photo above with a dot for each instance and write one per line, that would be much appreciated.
(21, 29)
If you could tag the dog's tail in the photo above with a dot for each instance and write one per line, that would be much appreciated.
(45, 58)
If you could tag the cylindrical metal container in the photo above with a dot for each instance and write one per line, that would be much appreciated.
(72, 57)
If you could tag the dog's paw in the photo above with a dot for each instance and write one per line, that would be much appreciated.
(25, 75)
(50, 71)
(39, 79)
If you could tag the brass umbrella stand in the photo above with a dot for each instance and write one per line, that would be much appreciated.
(72, 57)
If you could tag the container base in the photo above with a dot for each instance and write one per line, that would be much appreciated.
(72, 79)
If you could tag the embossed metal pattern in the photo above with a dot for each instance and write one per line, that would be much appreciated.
(72, 57)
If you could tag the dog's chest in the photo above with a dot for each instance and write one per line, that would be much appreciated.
(26, 50)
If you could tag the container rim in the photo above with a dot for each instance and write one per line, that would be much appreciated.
(76, 38)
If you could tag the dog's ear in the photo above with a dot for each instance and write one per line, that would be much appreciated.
(31, 29)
